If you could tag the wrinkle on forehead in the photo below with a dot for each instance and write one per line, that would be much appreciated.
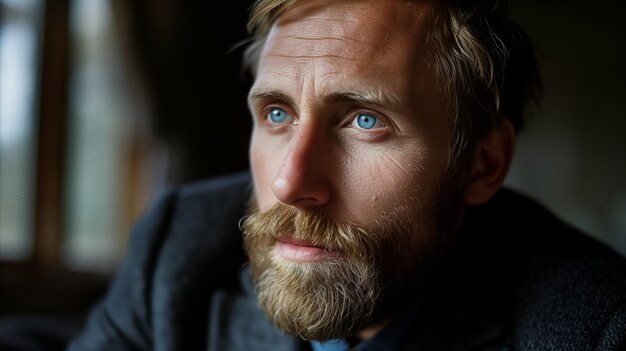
(353, 30)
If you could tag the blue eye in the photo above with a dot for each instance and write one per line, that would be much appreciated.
(366, 121)
(278, 115)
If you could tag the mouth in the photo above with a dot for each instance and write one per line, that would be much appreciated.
(295, 250)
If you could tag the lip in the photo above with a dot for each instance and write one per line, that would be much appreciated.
(297, 250)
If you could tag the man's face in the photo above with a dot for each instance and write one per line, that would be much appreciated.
(349, 155)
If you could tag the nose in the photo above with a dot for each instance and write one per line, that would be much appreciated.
(303, 179)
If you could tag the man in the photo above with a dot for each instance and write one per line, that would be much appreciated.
(375, 219)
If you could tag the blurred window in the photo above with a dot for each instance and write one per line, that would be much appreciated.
(92, 135)
(20, 42)
(99, 136)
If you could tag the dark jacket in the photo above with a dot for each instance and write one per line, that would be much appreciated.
(519, 279)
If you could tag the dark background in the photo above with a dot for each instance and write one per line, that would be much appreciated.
(185, 52)
(572, 156)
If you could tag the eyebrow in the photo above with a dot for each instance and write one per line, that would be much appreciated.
(258, 96)
(368, 97)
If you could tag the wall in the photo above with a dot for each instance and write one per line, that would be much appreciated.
(572, 156)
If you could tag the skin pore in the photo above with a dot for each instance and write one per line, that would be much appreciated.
(352, 134)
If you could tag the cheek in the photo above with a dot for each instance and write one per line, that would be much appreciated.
(263, 166)
(382, 180)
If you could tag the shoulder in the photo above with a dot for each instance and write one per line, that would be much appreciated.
(538, 237)
(569, 288)
(201, 232)
(207, 210)
(185, 246)
(201, 252)
(197, 201)
(189, 230)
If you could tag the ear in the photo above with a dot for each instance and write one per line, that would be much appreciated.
(490, 163)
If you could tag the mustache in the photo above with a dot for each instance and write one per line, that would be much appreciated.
(314, 226)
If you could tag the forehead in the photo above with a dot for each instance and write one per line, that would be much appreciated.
(355, 38)
(369, 25)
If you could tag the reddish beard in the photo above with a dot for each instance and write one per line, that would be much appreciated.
(373, 271)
